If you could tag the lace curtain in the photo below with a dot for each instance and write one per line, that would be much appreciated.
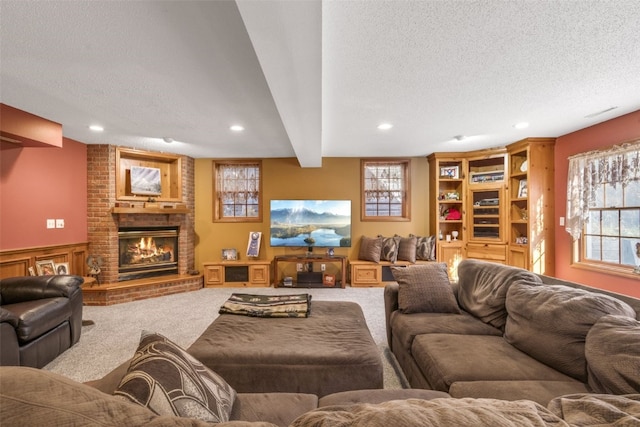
(587, 171)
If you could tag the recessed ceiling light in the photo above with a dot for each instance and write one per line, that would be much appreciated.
(521, 125)
(385, 126)
(96, 128)
(237, 128)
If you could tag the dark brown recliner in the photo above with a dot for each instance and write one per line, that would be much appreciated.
(40, 317)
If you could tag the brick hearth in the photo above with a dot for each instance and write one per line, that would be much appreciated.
(103, 232)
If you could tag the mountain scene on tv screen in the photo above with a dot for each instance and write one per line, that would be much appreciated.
(306, 227)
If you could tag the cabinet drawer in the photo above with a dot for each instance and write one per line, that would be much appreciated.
(487, 251)
(366, 274)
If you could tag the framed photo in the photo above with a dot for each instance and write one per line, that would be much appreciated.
(253, 246)
(46, 267)
(522, 188)
(62, 268)
(229, 255)
(451, 172)
(329, 279)
(146, 181)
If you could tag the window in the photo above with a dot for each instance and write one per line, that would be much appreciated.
(603, 208)
(237, 192)
(385, 190)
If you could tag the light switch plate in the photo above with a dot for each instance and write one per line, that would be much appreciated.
(59, 223)
(51, 223)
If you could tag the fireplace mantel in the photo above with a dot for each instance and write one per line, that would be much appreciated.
(153, 211)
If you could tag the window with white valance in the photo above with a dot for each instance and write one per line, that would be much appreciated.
(603, 204)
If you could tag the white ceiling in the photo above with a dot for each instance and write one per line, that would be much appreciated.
(313, 79)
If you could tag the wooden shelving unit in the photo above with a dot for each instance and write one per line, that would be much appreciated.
(531, 214)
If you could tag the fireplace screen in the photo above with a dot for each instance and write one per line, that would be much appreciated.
(147, 252)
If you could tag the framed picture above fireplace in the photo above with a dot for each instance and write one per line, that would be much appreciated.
(145, 181)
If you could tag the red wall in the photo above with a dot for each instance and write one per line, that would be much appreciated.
(603, 135)
(38, 183)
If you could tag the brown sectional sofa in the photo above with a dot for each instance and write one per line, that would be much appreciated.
(518, 335)
(40, 317)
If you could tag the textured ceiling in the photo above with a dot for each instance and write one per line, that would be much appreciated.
(312, 79)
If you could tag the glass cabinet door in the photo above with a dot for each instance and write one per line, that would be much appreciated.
(486, 214)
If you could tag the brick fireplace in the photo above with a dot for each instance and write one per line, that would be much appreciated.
(104, 224)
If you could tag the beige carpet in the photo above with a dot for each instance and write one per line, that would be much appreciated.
(115, 332)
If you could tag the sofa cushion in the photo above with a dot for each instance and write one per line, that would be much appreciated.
(407, 326)
(35, 397)
(425, 247)
(551, 323)
(483, 288)
(612, 350)
(38, 316)
(169, 381)
(389, 250)
(436, 413)
(425, 289)
(537, 390)
(370, 248)
(597, 410)
(447, 358)
(407, 248)
(276, 408)
(378, 396)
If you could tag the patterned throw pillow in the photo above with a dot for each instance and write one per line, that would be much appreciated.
(370, 249)
(407, 248)
(169, 381)
(425, 248)
(425, 288)
(389, 248)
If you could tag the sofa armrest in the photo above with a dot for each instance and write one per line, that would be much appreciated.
(27, 288)
(390, 305)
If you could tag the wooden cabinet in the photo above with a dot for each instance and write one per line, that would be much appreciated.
(486, 202)
(237, 274)
(506, 204)
(365, 273)
(530, 199)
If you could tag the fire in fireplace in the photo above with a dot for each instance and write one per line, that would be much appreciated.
(147, 252)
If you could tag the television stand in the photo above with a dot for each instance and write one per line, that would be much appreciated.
(282, 268)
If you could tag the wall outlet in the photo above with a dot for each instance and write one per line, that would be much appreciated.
(323, 267)
(299, 267)
(561, 221)
(51, 223)
(59, 223)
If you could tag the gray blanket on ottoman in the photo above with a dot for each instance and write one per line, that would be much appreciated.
(331, 350)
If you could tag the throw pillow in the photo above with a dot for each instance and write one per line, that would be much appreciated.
(612, 350)
(550, 323)
(169, 381)
(425, 248)
(407, 248)
(389, 248)
(425, 288)
(370, 248)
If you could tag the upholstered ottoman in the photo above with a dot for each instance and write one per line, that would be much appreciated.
(330, 351)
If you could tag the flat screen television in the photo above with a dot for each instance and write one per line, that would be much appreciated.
(310, 223)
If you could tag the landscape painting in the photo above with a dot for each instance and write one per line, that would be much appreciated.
(320, 223)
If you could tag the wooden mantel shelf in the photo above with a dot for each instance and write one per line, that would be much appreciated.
(141, 210)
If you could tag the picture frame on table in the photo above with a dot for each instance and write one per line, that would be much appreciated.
(450, 172)
(62, 267)
(253, 245)
(229, 254)
(46, 267)
(329, 279)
